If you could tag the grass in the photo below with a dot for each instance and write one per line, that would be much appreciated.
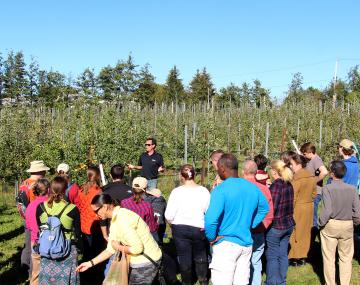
(12, 238)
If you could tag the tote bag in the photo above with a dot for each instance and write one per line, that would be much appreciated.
(118, 273)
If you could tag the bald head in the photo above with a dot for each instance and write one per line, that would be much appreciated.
(249, 168)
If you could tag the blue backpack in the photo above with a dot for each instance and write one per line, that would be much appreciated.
(357, 153)
(53, 244)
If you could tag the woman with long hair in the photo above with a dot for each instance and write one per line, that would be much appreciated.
(185, 212)
(60, 271)
(304, 184)
(128, 233)
(278, 235)
(90, 226)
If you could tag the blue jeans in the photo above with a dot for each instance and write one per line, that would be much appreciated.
(277, 255)
(316, 205)
(257, 252)
(152, 184)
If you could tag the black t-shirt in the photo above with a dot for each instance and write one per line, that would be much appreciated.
(118, 191)
(150, 164)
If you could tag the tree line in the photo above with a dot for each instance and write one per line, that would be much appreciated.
(125, 80)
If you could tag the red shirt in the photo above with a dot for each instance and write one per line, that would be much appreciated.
(144, 210)
(262, 176)
(266, 222)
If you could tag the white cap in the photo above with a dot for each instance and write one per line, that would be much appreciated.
(63, 167)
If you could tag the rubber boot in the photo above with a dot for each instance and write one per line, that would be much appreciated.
(201, 269)
(186, 277)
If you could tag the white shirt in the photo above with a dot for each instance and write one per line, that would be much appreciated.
(187, 206)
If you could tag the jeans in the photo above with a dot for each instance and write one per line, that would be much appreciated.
(191, 245)
(316, 205)
(152, 184)
(257, 252)
(230, 264)
(277, 255)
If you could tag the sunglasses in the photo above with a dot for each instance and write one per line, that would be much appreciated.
(147, 144)
(97, 210)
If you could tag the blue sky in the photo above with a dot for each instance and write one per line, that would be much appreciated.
(235, 41)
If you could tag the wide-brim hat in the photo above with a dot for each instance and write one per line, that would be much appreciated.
(154, 192)
(37, 166)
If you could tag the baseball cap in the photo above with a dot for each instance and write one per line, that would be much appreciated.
(63, 167)
(139, 183)
(345, 143)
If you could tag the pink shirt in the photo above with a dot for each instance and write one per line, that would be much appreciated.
(30, 217)
(266, 222)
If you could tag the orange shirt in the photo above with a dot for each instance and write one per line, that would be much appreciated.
(26, 186)
(88, 219)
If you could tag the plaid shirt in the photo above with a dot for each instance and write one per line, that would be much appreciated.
(282, 194)
(144, 210)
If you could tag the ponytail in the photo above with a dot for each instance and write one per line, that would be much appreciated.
(57, 190)
(282, 169)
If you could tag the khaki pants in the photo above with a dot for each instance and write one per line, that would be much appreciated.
(338, 234)
(35, 260)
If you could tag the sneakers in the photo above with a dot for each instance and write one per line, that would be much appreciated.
(297, 262)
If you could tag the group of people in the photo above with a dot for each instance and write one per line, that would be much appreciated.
(220, 233)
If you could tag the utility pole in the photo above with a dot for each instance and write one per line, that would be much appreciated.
(335, 78)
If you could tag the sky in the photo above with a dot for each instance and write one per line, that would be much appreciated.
(236, 41)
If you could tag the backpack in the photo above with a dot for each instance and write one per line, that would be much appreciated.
(53, 244)
(357, 154)
(23, 198)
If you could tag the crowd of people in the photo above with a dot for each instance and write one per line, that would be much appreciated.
(223, 234)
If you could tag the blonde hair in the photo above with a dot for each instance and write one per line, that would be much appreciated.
(282, 169)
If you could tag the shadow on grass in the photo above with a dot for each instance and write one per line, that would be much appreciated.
(16, 274)
(316, 261)
(12, 234)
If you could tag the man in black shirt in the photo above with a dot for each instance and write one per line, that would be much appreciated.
(117, 190)
(150, 163)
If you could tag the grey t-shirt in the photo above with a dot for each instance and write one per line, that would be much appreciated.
(313, 165)
(340, 202)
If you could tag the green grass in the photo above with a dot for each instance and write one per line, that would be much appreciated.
(12, 238)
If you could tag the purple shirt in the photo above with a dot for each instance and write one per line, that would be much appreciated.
(30, 217)
(282, 194)
(144, 210)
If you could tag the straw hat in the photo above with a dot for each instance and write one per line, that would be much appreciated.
(37, 166)
(154, 192)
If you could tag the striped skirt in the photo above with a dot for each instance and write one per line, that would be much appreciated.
(59, 272)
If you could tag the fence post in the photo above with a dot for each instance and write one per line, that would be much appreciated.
(267, 139)
(16, 190)
(185, 144)
(298, 131)
(252, 140)
(239, 136)
(320, 135)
